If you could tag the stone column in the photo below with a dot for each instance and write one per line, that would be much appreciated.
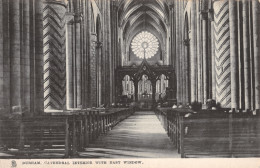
(233, 54)
(246, 53)
(1, 59)
(199, 55)
(4, 57)
(15, 55)
(153, 81)
(193, 53)
(177, 52)
(87, 31)
(256, 41)
(25, 71)
(213, 76)
(98, 71)
(136, 90)
(110, 69)
(185, 68)
(222, 53)
(78, 60)
(54, 55)
(69, 62)
(93, 72)
(38, 59)
(204, 17)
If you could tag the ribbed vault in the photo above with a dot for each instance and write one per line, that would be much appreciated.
(143, 15)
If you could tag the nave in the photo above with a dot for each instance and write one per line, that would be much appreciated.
(72, 70)
(140, 135)
(126, 133)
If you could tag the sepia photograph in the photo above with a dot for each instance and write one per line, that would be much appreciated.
(129, 83)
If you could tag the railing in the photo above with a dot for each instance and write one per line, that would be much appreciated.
(212, 133)
(65, 134)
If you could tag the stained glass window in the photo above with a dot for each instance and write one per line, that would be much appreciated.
(145, 45)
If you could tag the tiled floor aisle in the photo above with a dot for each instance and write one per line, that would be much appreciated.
(140, 135)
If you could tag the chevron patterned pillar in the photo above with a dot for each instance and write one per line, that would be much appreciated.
(54, 55)
(222, 53)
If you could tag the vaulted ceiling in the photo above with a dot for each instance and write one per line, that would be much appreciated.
(138, 15)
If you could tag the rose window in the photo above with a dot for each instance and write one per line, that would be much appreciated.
(145, 45)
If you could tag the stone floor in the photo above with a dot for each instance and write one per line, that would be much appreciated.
(140, 135)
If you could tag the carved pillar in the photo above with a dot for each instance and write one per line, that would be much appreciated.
(246, 47)
(234, 54)
(222, 53)
(54, 55)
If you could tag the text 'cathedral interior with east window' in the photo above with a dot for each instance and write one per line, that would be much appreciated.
(129, 78)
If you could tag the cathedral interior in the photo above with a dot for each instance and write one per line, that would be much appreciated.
(129, 78)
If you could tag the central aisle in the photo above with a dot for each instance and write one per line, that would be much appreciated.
(140, 135)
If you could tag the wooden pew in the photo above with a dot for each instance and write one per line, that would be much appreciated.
(169, 119)
(211, 133)
(10, 133)
(90, 124)
(36, 136)
(219, 135)
(60, 134)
